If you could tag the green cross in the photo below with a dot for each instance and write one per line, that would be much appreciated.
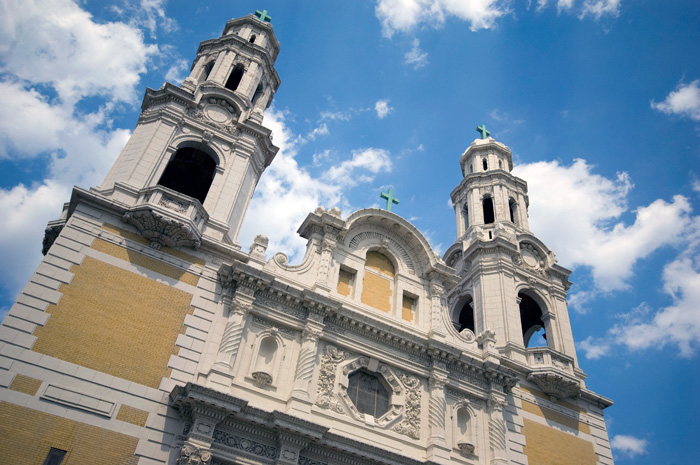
(390, 199)
(483, 131)
(262, 15)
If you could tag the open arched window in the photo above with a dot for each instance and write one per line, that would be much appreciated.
(485, 164)
(378, 283)
(189, 172)
(466, 217)
(513, 209)
(252, 39)
(465, 317)
(369, 394)
(258, 93)
(235, 77)
(533, 326)
(488, 210)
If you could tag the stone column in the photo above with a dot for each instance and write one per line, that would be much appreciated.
(301, 398)
(497, 428)
(437, 408)
(237, 307)
(437, 292)
(197, 448)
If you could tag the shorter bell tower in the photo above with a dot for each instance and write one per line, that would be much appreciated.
(511, 288)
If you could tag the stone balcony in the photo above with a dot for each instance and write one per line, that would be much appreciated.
(553, 372)
(169, 218)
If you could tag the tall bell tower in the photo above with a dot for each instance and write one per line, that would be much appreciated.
(510, 282)
(189, 170)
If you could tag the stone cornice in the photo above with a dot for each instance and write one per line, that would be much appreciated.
(485, 179)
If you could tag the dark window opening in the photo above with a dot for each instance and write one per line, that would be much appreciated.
(511, 209)
(190, 172)
(466, 217)
(500, 165)
(258, 93)
(531, 321)
(235, 78)
(207, 71)
(55, 457)
(368, 393)
(488, 210)
(471, 168)
(252, 39)
(466, 316)
(485, 164)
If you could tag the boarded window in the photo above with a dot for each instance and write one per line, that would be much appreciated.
(378, 282)
(346, 282)
(409, 308)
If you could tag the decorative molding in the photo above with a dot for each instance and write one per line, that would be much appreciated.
(246, 445)
(191, 455)
(268, 324)
(410, 425)
(384, 241)
(325, 397)
(556, 385)
(162, 230)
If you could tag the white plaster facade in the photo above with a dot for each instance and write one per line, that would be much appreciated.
(261, 375)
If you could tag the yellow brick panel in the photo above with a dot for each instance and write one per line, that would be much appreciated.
(132, 415)
(376, 291)
(116, 322)
(138, 259)
(142, 240)
(542, 395)
(548, 446)
(344, 282)
(551, 415)
(379, 262)
(25, 384)
(407, 309)
(27, 435)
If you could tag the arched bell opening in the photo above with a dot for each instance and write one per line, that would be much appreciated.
(190, 172)
(463, 317)
(234, 79)
(531, 319)
(487, 204)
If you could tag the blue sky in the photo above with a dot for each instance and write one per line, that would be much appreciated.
(599, 101)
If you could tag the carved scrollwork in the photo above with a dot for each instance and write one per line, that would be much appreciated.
(191, 455)
(162, 230)
(326, 380)
(410, 425)
(556, 385)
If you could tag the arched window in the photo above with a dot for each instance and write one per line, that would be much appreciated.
(367, 391)
(378, 283)
(500, 165)
(235, 77)
(488, 210)
(252, 39)
(513, 209)
(471, 168)
(465, 318)
(531, 321)
(485, 164)
(466, 217)
(189, 172)
(258, 93)
(206, 71)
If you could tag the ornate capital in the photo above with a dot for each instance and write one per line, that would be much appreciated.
(191, 455)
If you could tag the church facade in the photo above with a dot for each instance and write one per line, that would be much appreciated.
(148, 335)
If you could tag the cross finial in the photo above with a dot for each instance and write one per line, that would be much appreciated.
(484, 133)
(263, 16)
(390, 199)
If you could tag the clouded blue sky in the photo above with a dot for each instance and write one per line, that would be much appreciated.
(599, 101)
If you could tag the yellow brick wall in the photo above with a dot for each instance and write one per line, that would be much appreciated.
(378, 262)
(345, 279)
(115, 321)
(27, 435)
(407, 309)
(25, 384)
(562, 403)
(132, 415)
(376, 285)
(548, 446)
(556, 417)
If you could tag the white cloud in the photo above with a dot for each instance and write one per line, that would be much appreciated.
(382, 108)
(600, 8)
(336, 115)
(416, 57)
(629, 445)
(684, 101)
(576, 212)
(594, 348)
(404, 15)
(177, 72)
(287, 193)
(54, 56)
(353, 171)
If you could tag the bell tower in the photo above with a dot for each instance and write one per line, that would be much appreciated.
(188, 172)
(511, 287)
